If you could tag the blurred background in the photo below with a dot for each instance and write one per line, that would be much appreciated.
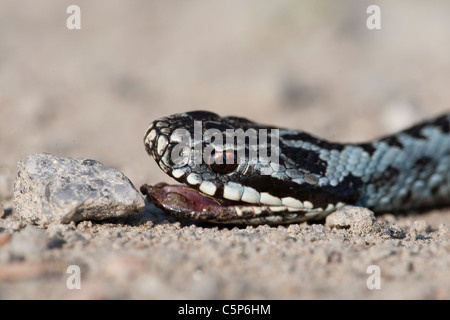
(309, 65)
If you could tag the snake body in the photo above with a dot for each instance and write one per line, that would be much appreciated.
(406, 170)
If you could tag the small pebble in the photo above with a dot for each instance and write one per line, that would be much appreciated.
(421, 226)
(351, 217)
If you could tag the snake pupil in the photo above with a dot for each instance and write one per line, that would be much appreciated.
(223, 162)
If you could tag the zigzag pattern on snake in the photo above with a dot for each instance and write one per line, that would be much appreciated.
(406, 170)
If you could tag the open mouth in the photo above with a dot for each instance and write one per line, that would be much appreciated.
(188, 203)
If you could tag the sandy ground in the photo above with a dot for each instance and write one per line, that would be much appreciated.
(312, 66)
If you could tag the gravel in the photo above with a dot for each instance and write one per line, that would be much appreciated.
(151, 255)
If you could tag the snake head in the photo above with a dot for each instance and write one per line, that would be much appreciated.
(238, 164)
(207, 152)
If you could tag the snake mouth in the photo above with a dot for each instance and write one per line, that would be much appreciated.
(188, 203)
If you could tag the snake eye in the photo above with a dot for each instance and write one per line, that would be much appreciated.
(223, 162)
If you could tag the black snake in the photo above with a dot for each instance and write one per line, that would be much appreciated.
(310, 178)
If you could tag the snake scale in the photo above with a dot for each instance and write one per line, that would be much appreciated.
(407, 170)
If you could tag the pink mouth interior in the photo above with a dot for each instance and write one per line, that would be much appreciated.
(182, 198)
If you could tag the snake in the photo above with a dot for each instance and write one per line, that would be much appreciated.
(304, 178)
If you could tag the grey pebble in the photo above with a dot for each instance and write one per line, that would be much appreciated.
(30, 242)
(49, 188)
(443, 230)
(10, 226)
(395, 232)
(421, 226)
(350, 217)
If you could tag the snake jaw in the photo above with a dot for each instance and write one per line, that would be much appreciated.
(187, 203)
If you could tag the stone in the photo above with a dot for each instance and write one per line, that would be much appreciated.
(358, 220)
(50, 188)
(421, 226)
(29, 243)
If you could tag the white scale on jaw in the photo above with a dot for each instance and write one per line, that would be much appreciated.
(250, 195)
(178, 172)
(232, 191)
(235, 192)
(194, 179)
(208, 187)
